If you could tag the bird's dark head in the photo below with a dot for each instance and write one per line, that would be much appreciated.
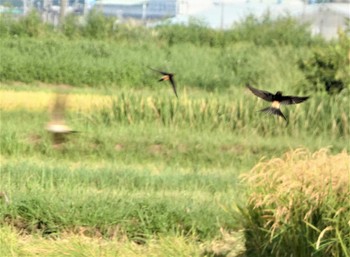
(278, 93)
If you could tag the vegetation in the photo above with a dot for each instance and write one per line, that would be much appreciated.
(204, 113)
(329, 70)
(139, 171)
(152, 175)
(116, 55)
(13, 244)
(298, 205)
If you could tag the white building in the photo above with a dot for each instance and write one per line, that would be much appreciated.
(324, 19)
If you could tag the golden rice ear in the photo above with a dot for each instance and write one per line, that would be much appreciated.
(298, 174)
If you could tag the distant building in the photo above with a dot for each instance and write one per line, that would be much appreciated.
(138, 9)
(324, 19)
(324, 16)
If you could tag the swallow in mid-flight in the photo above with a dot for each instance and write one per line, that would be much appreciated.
(57, 126)
(276, 99)
(167, 76)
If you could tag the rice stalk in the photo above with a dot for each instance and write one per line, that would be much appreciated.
(298, 202)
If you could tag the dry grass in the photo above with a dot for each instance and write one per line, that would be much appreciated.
(301, 192)
(37, 101)
(231, 244)
(13, 244)
(300, 172)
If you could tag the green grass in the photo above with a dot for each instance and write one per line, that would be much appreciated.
(51, 198)
(198, 130)
(148, 166)
(149, 174)
(117, 65)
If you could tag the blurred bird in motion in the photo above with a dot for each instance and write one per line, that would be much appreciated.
(167, 76)
(57, 126)
(4, 197)
(276, 99)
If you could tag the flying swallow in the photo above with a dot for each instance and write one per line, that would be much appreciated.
(57, 126)
(167, 76)
(276, 99)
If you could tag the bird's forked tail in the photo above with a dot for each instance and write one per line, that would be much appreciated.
(274, 111)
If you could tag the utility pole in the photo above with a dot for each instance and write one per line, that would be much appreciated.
(85, 8)
(144, 11)
(221, 3)
(222, 15)
(63, 10)
(25, 7)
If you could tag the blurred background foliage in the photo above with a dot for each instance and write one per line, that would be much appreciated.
(278, 53)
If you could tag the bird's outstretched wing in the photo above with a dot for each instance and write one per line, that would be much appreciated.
(161, 72)
(287, 100)
(267, 96)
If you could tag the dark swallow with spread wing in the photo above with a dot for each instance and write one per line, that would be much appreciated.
(167, 76)
(276, 99)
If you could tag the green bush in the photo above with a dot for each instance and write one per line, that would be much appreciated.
(327, 68)
(98, 26)
(273, 32)
(71, 26)
(196, 32)
(29, 25)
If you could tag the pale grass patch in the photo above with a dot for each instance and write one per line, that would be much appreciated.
(38, 101)
(153, 168)
(13, 244)
(230, 244)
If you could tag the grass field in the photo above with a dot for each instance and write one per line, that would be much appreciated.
(147, 175)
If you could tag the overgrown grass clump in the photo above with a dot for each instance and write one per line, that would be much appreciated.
(299, 205)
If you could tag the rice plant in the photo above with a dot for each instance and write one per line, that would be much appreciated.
(298, 205)
(320, 115)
